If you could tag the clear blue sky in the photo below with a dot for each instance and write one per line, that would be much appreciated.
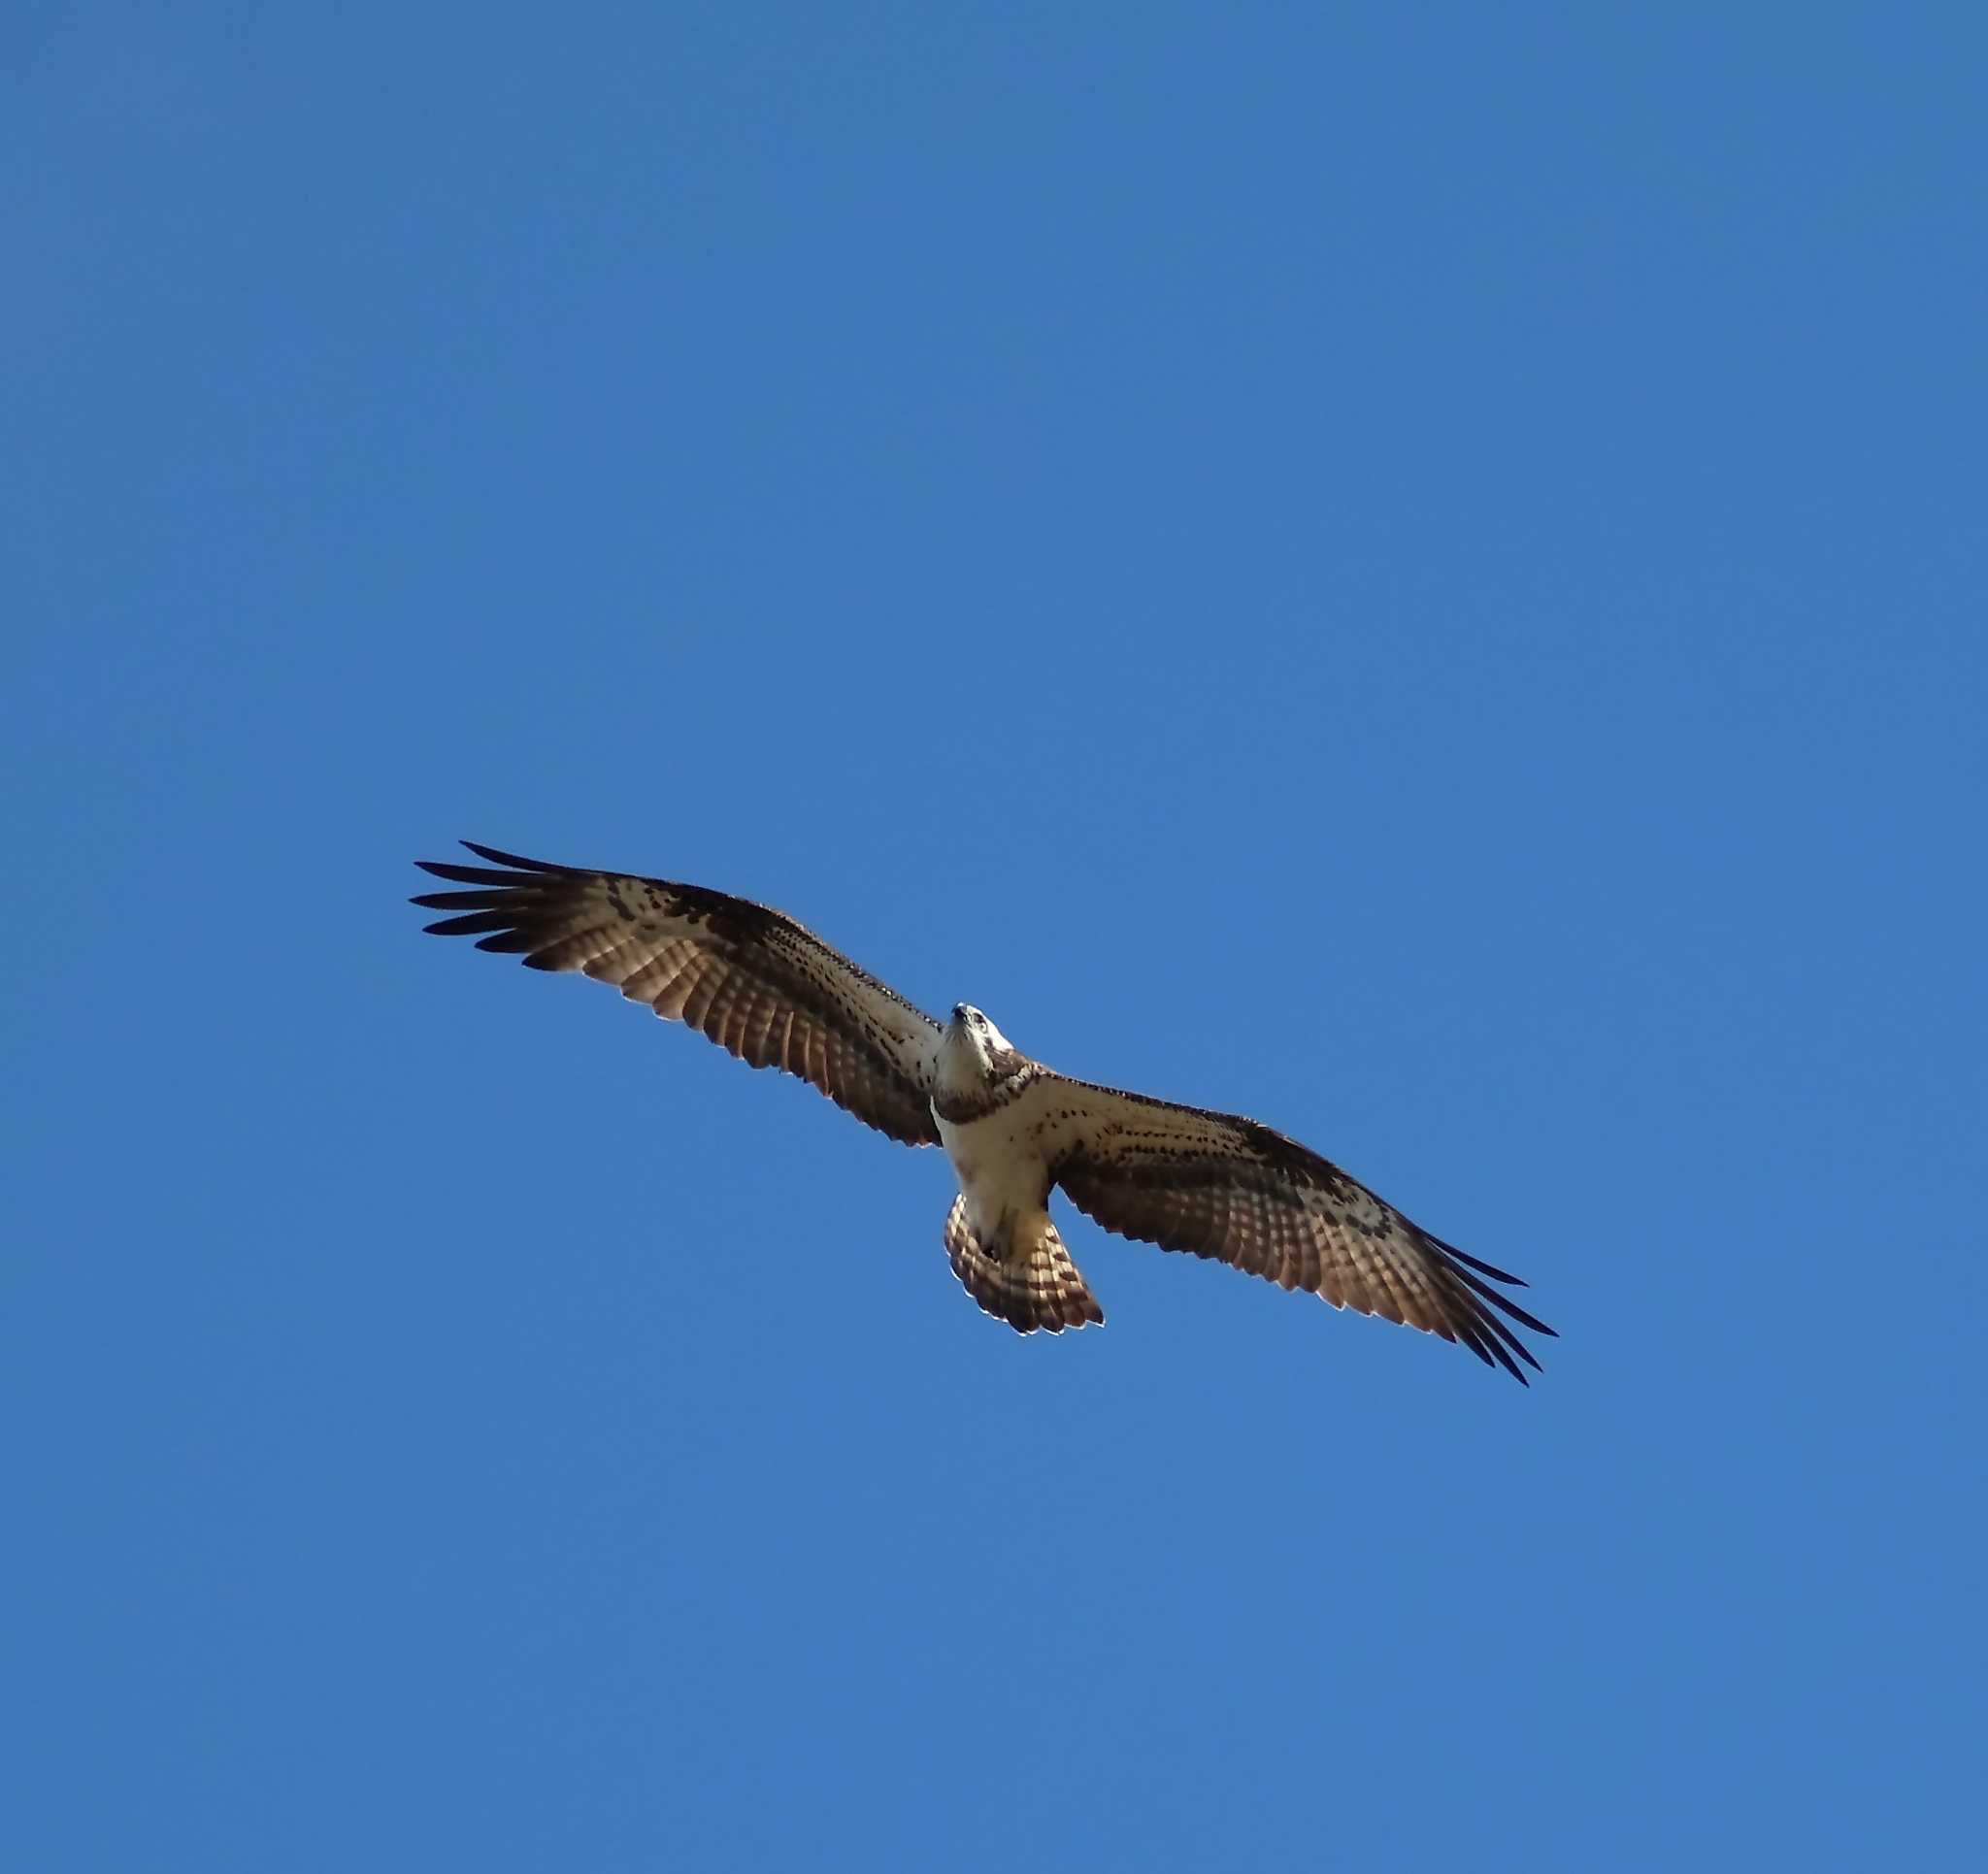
(1415, 571)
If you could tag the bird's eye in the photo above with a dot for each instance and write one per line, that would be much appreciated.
(980, 1021)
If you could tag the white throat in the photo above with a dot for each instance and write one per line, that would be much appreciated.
(967, 1047)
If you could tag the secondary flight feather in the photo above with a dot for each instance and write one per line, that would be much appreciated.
(1213, 1184)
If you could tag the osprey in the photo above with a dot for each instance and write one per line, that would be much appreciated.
(1214, 1184)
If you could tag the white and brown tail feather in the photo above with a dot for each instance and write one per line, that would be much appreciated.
(1028, 1280)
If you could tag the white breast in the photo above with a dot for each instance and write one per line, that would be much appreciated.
(1000, 1166)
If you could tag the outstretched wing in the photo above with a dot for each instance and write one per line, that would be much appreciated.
(750, 978)
(1224, 1187)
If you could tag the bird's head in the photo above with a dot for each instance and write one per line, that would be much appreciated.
(975, 1047)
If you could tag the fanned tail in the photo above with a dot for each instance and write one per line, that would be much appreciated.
(1027, 1279)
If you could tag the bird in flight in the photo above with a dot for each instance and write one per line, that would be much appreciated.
(1214, 1184)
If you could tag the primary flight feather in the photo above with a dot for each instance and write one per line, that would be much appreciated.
(1215, 1184)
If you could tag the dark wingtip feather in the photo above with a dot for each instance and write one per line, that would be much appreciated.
(465, 900)
(511, 942)
(512, 859)
(1496, 1342)
(1488, 1349)
(1483, 1268)
(1516, 1345)
(1511, 1307)
(469, 926)
(1479, 1304)
(1500, 1336)
(1465, 1338)
(472, 875)
(1504, 1342)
